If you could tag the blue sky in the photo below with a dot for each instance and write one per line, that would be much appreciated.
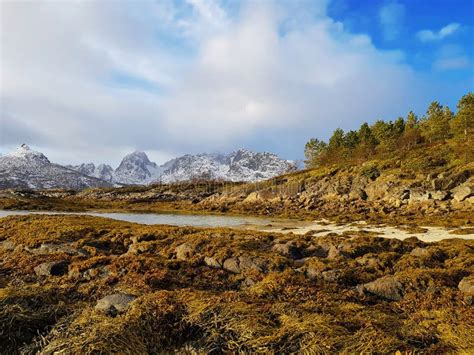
(94, 80)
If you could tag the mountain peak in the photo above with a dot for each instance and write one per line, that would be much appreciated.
(25, 152)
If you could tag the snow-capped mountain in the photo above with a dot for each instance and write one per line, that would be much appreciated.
(101, 171)
(26, 168)
(241, 165)
(136, 168)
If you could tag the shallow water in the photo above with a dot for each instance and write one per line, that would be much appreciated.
(316, 228)
(163, 218)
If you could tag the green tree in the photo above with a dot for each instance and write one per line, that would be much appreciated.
(337, 140)
(411, 135)
(436, 125)
(463, 123)
(351, 140)
(411, 121)
(313, 151)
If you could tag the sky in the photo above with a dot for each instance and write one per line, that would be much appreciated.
(90, 81)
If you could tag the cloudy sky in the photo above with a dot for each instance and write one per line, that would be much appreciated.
(92, 80)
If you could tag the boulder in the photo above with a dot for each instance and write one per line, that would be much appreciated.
(247, 263)
(387, 287)
(439, 195)
(288, 249)
(7, 245)
(114, 304)
(232, 265)
(466, 286)
(212, 262)
(463, 192)
(52, 268)
(420, 252)
(184, 251)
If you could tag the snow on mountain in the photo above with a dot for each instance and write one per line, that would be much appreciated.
(101, 171)
(136, 168)
(241, 165)
(26, 168)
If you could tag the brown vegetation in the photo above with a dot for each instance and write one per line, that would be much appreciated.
(220, 290)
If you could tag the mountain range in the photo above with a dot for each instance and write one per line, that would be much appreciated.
(26, 168)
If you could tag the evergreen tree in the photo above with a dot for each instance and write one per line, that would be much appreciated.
(436, 126)
(313, 151)
(337, 140)
(463, 123)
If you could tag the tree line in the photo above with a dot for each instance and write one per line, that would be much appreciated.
(437, 125)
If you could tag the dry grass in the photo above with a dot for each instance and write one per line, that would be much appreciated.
(187, 307)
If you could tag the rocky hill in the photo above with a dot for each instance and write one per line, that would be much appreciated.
(26, 168)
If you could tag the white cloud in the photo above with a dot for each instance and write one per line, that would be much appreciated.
(453, 63)
(391, 17)
(430, 36)
(268, 77)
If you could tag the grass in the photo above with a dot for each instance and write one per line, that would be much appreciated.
(186, 306)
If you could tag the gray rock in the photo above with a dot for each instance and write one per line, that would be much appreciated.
(232, 265)
(184, 251)
(247, 263)
(114, 304)
(289, 250)
(52, 268)
(387, 287)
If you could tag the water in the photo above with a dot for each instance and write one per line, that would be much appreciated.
(164, 218)
(431, 234)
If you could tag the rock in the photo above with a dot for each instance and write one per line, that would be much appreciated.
(316, 250)
(184, 251)
(334, 253)
(466, 286)
(114, 304)
(405, 195)
(439, 195)
(289, 250)
(247, 263)
(331, 275)
(7, 245)
(47, 248)
(232, 265)
(52, 268)
(420, 252)
(139, 248)
(312, 273)
(212, 262)
(463, 192)
(387, 287)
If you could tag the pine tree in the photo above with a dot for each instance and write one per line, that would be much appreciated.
(313, 151)
(436, 125)
(463, 123)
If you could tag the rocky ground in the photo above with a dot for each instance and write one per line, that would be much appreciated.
(77, 284)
